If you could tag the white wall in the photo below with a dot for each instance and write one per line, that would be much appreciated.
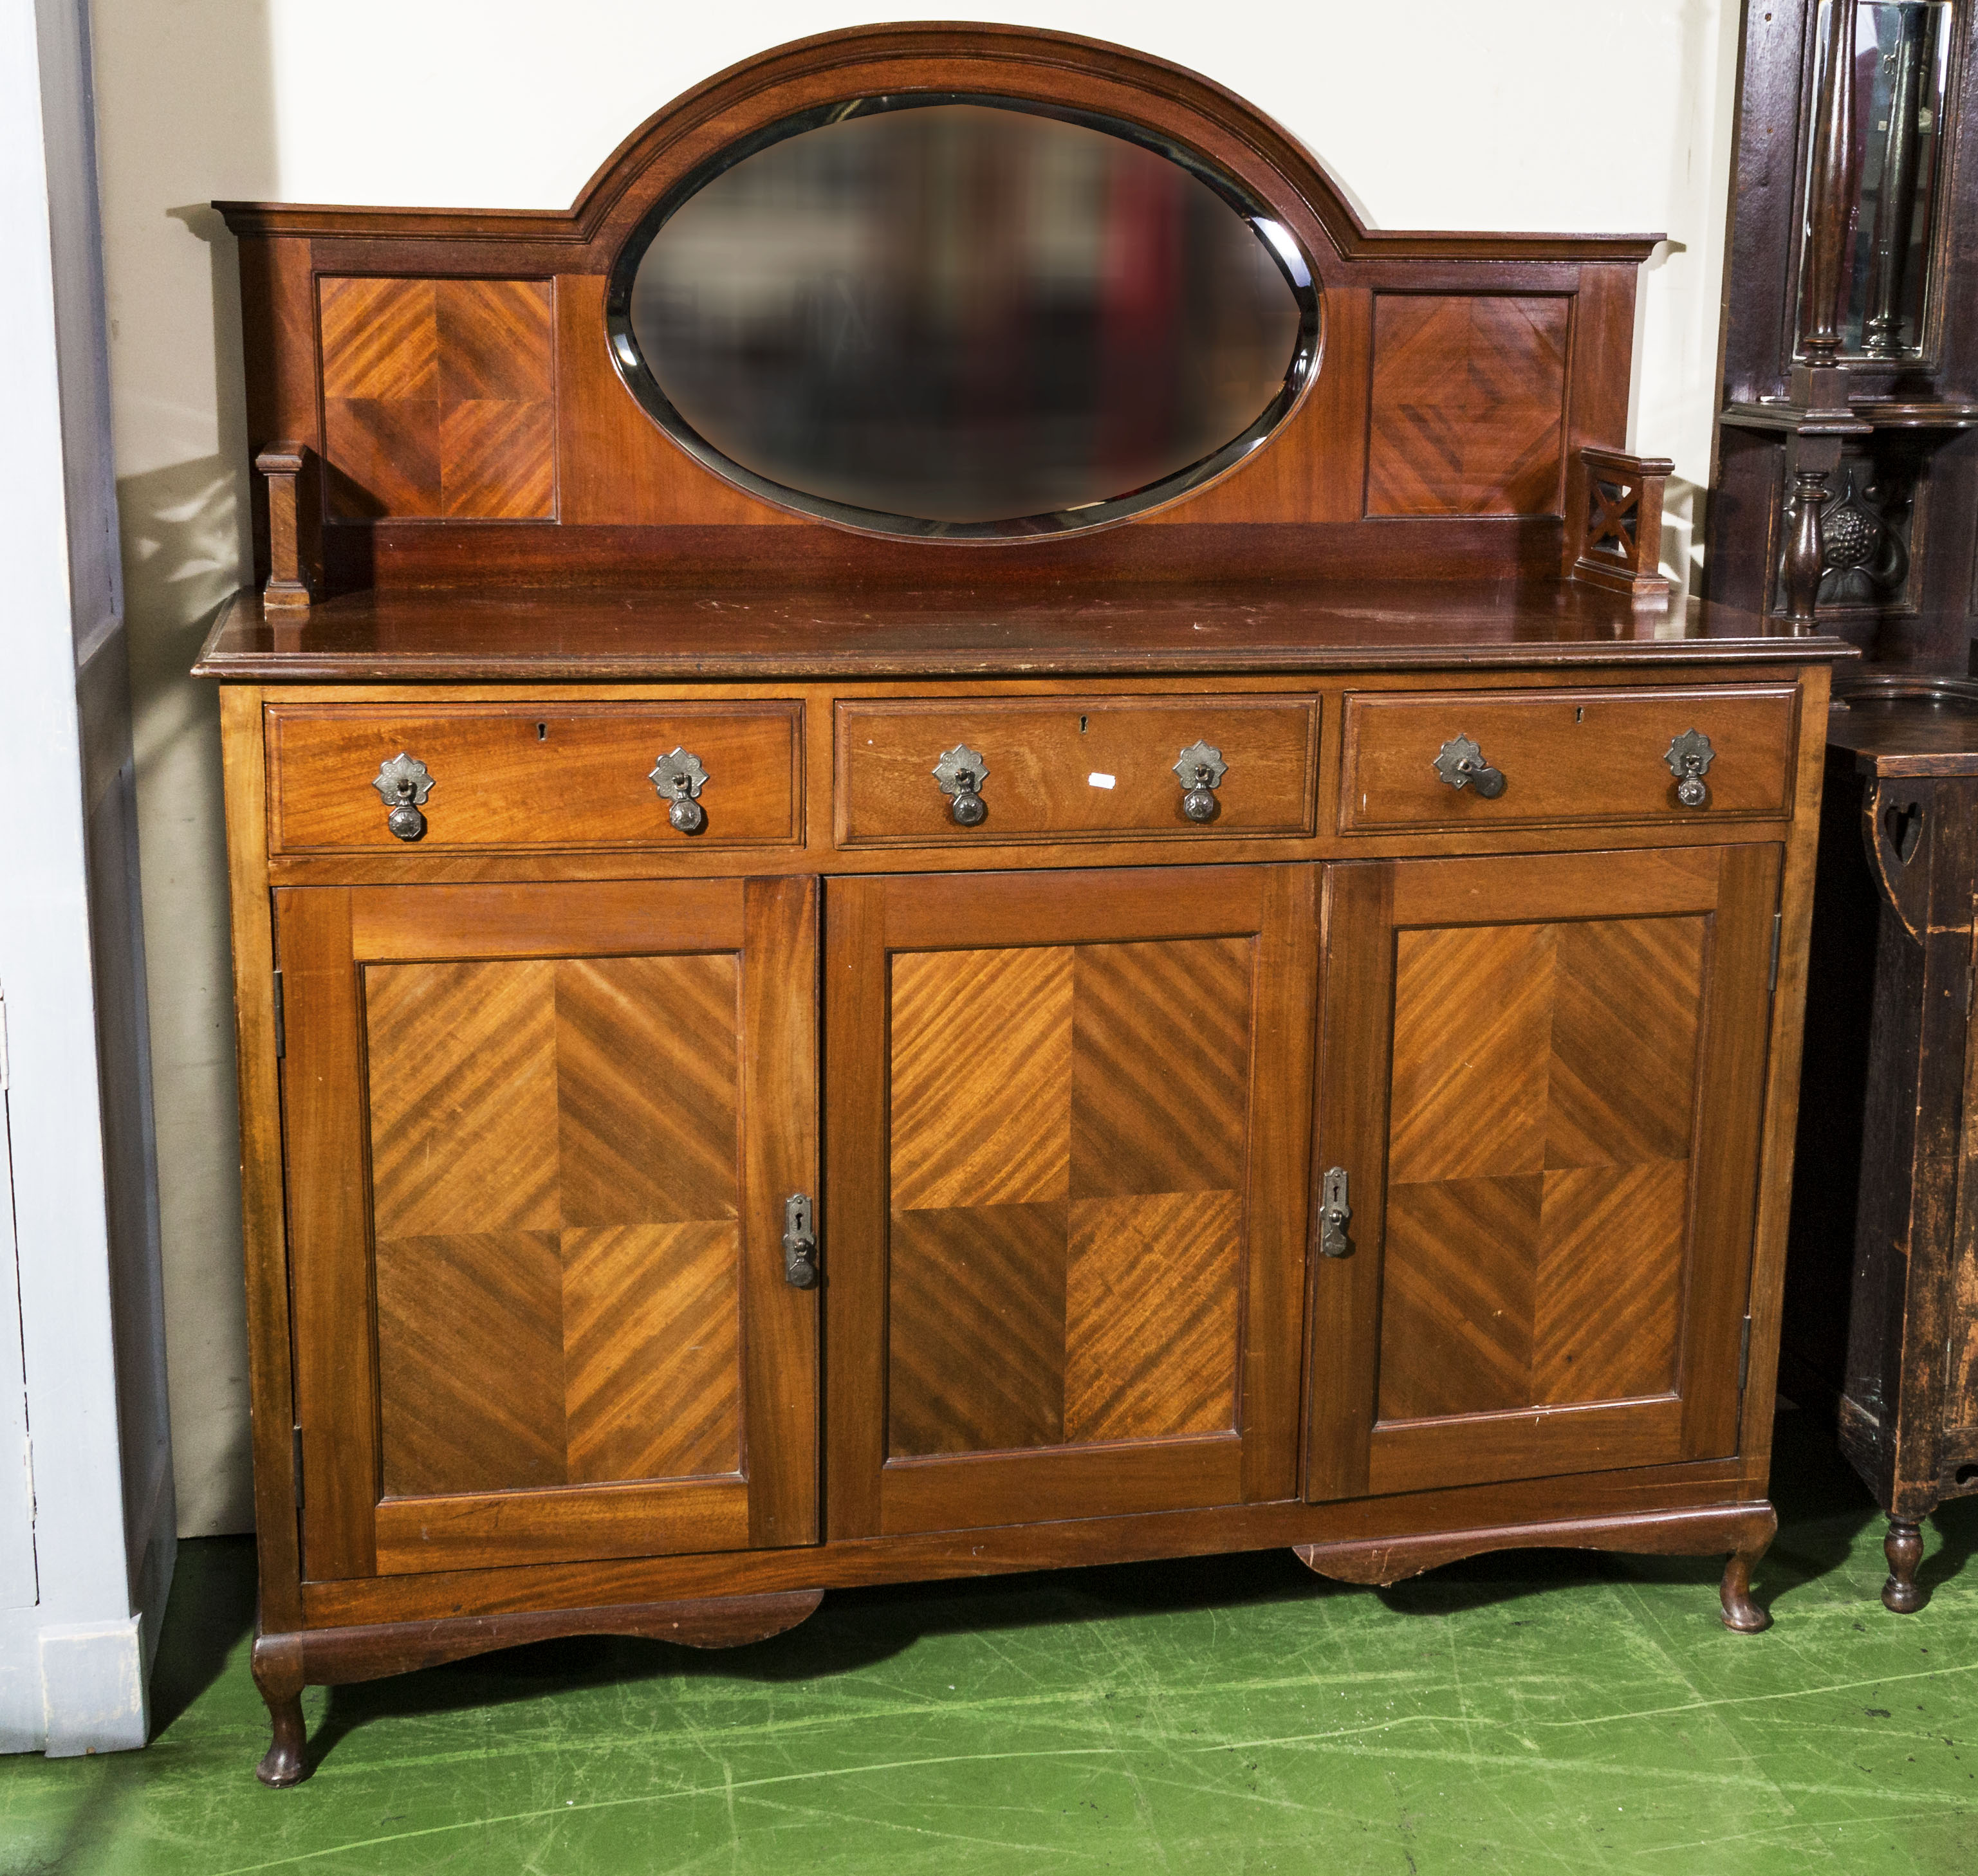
(1541, 115)
(88, 1553)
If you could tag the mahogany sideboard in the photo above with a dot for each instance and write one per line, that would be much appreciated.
(777, 1055)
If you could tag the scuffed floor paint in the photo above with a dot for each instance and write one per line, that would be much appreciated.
(1522, 1713)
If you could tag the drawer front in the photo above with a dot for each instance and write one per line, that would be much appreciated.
(1074, 768)
(1565, 755)
(532, 775)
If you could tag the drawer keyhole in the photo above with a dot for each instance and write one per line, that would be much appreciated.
(1579, 715)
(1081, 726)
(542, 733)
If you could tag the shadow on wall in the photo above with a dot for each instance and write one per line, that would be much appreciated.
(185, 113)
(186, 546)
(178, 540)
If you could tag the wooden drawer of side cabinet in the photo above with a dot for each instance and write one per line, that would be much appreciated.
(1073, 768)
(1565, 755)
(533, 774)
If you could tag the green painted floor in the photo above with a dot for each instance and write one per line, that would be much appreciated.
(1520, 1713)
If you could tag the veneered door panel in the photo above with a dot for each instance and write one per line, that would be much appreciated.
(1067, 1192)
(537, 1245)
(1544, 1077)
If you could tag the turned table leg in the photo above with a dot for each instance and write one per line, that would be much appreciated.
(1904, 1548)
(277, 1672)
(1739, 1612)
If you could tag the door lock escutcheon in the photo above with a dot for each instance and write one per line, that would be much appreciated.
(799, 1242)
(1336, 1212)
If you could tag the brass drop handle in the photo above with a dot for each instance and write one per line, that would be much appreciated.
(961, 773)
(680, 778)
(1461, 763)
(799, 1242)
(1689, 758)
(1335, 1213)
(404, 782)
(1200, 771)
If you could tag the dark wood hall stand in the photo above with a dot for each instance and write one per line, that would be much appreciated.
(795, 1031)
(1845, 479)
(1885, 1210)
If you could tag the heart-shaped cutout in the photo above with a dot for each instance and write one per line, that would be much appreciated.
(1902, 827)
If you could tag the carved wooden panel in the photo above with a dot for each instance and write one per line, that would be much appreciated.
(1067, 1198)
(1551, 1218)
(1065, 1121)
(553, 1154)
(439, 398)
(1468, 412)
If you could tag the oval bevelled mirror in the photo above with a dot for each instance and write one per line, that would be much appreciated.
(963, 318)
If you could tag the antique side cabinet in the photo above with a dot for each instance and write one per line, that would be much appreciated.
(1884, 1213)
(1847, 471)
(910, 906)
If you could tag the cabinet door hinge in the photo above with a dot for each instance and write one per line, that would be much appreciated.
(1744, 1354)
(1778, 919)
(296, 1461)
(281, 1021)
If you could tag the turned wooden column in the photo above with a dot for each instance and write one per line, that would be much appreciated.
(1830, 208)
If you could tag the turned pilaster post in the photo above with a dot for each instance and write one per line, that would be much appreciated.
(1806, 548)
(1821, 383)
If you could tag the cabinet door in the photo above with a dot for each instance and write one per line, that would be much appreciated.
(1066, 1177)
(1544, 1079)
(539, 1141)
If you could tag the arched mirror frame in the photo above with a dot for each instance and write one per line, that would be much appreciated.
(1212, 133)
(1292, 261)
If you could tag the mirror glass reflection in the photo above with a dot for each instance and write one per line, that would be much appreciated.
(966, 319)
(1902, 58)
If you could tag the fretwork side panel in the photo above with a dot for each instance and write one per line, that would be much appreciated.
(554, 1148)
(1068, 1122)
(1539, 1147)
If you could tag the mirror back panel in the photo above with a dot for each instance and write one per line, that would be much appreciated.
(1141, 334)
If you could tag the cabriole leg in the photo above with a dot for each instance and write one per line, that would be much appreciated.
(1903, 1547)
(277, 1672)
(1740, 1613)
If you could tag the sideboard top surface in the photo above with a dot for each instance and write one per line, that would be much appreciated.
(578, 635)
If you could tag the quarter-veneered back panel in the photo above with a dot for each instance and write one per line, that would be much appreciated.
(461, 380)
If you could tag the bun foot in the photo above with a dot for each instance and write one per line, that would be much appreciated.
(1904, 1548)
(282, 1763)
(1740, 1613)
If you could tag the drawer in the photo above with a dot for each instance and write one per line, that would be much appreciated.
(532, 775)
(1565, 755)
(1074, 768)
